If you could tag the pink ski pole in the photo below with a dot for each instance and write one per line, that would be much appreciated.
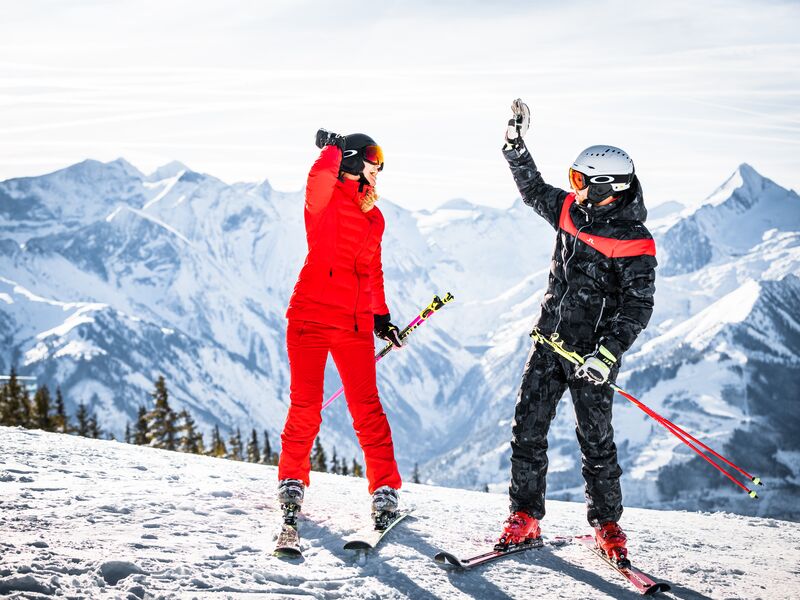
(423, 316)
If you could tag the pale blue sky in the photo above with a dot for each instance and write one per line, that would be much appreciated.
(238, 88)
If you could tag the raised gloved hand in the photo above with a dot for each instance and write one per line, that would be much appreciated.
(597, 366)
(386, 331)
(518, 126)
(328, 138)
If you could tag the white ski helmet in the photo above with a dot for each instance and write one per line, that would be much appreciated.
(602, 166)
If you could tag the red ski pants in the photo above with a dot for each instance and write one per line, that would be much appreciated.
(353, 352)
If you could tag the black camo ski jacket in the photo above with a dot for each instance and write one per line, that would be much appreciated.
(602, 276)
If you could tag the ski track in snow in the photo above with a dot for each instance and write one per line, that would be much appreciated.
(92, 518)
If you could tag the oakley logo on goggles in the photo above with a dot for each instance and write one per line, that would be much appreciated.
(579, 181)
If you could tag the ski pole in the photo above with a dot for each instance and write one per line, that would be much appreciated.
(557, 346)
(423, 316)
(675, 428)
(685, 437)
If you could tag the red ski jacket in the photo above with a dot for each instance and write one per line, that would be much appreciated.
(341, 282)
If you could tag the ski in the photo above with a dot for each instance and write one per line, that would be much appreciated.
(451, 560)
(288, 544)
(369, 537)
(640, 581)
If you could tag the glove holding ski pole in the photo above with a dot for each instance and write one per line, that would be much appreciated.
(387, 331)
(391, 332)
(597, 366)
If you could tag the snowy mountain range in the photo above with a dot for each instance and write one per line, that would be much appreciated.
(110, 277)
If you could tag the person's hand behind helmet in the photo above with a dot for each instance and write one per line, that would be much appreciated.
(328, 138)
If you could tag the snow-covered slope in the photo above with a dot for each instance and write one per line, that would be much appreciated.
(109, 278)
(90, 518)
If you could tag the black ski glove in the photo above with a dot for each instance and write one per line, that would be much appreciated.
(328, 138)
(386, 331)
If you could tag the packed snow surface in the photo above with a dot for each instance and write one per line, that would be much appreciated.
(91, 518)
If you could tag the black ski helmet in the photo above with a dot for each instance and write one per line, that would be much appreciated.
(353, 152)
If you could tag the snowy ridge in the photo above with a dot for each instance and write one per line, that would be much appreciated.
(96, 518)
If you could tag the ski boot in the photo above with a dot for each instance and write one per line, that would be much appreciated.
(519, 527)
(611, 540)
(290, 496)
(384, 506)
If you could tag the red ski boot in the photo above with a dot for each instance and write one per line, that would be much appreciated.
(519, 527)
(611, 539)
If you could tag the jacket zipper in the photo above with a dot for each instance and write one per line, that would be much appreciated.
(602, 309)
(358, 279)
(589, 221)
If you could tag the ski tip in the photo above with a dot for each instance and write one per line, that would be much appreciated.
(357, 545)
(657, 588)
(752, 494)
(756, 480)
(448, 560)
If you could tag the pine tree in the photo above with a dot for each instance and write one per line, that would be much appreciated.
(236, 445)
(318, 459)
(161, 420)
(343, 469)
(334, 462)
(82, 416)
(3, 403)
(12, 401)
(141, 431)
(486, 487)
(415, 474)
(94, 429)
(60, 420)
(218, 448)
(253, 453)
(266, 455)
(191, 440)
(41, 404)
(26, 409)
(356, 470)
(128, 433)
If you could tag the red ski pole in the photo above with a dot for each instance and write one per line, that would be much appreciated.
(557, 346)
(685, 437)
(675, 428)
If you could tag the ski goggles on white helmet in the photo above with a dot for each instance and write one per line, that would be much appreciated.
(580, 181)
(602, 166)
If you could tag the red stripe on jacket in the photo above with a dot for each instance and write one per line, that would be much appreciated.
(610, 247)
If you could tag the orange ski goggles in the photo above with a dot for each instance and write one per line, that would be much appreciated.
(577, 179)
(374, 156)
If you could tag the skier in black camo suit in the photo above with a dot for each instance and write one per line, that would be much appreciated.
(599, 297)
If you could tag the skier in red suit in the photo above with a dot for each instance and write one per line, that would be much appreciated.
(337, 304)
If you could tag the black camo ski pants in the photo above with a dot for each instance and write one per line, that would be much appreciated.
(544, 381)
